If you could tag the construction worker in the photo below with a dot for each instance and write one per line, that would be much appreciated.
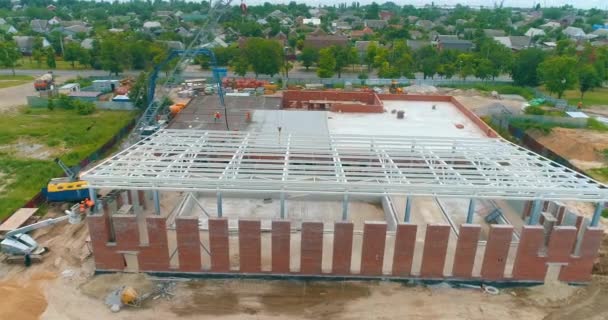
(216, 116)
(580, 105)
(88, 203)
(248, 116)
(82, 207)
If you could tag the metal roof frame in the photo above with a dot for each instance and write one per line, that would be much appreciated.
(249, 162)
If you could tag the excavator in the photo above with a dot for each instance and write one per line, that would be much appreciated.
(19, 247)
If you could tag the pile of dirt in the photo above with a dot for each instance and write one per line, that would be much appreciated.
(425, 89)
(584, 146)
(99, 286)
(24, 300)
(552, 293)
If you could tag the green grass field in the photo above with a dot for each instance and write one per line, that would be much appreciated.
(597, 97)
(7, 81)
(27, 63)
(61, 130)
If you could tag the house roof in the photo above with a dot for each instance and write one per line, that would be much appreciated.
(376, 24)
(463, 45)
(87, 43)
(574, 32)
(532, 32)
(494, 33)
(417, 44)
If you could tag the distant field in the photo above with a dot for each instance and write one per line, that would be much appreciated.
(30, 140)
(597, 97)
(7, 81)
(27, 63)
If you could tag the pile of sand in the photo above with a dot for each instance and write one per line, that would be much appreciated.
(579, 144)
(421, 89)
(99, 286)
(24, 300)
(552, 293)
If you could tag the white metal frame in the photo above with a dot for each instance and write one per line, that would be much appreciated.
(227, 161)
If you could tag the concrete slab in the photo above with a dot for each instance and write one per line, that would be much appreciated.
(420, 120)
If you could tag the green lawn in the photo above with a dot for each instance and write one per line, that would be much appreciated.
(600, 174)
(7, 81)
(597, 97)
(61, 130)
(27, 63)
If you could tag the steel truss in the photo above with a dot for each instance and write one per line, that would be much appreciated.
(248, 162)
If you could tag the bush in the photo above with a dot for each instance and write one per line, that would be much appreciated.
(84, 107)
(534, 110)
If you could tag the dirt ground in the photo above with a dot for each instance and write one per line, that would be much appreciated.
(63, 287)
(583, 147)
(12, 97)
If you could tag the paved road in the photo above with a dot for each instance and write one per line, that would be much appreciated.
(191, 72)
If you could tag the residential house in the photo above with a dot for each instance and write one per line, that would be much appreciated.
(318, 32)
(361, 47)
(39, 25)
(459, 45)
(26, 44)
(317, 12)
(550, 25)
(87, 43)
(417, 44)
(262, 21)
(75, 29)
(515, 43)
(54, 21)
(600, 33)
(358, 34)
(324, 41)
(312, 21)
(415, 34)
(567, 20)
(152, 25)
(2, 21)
(51, 7)
(425, 24)
(341, 26)
(574, 33)
(282, 38)
(287, 21)
(175, 45)
(376, 24)
(460, 22)
(533, 32)
(278, 14)
(491, 33)
(444, 37)
(8, 29)
(411, 19)
(386, 15)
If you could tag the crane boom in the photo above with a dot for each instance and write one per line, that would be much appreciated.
(37, 225)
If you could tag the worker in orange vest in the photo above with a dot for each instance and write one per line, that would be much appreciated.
(216, 116)
(83, 207)
(89, 203)
(580, 105)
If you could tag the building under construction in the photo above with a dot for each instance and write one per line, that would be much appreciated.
(347, 185)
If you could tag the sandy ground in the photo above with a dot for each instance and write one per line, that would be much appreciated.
(583, 146)
(484, 106)
(13, 97)
(63, 287)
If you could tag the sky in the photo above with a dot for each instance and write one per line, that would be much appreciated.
(587, 4)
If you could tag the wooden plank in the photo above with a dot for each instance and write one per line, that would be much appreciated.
(17, 219)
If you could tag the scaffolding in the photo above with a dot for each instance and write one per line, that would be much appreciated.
(250, 162)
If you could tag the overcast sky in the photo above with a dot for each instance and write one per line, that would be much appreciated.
(586, 4)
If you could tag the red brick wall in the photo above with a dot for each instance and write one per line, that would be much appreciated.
(529, 265)
(466, 248)
(579, 268)
(293, 98)
(250, 246)
(126, 231)
(405, 241)
(311, 247)
(188, 244)
(473, 117)
(562, 240)
(155, 255)
(218, 245)
(343, 247)
(281, 236)
(372, 252)
(104, 253)
(435, 248)
(497, 250)
(414, 97)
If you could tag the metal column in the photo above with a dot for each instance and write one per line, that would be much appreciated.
(219, 204)
(408, 209)
(282, 205)
(345, 208)
(535, 212)
(93, 197)
(596, 214)
(471, 212)
(156, 198)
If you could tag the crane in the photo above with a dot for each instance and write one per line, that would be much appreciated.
(68, 188)
(146, 124)
(17, 244)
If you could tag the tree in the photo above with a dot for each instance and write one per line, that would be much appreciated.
(50, 58)
(524, 65)
(587, 79)
(71, 52)
(139, 93)
(466, 65)
(343, 57)
(84, 58)
(264, 55)
(558, 73)
(370, 55)
(427, 61)
(9, 54)
(484, 69)
(372, 11)
(308, 57)
(240, 65)
(114, 54)
(327, 63)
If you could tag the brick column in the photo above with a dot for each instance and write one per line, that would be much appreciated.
(435, 248)
(579, 268)
(280, 243)
(219, 245)
(104, 255)
(497, 251)
(466, 249)
(405, 241)
(188, 244)
(372, 252)
(155, 256)
(561, 243)
(141, 196)
(343, 247)
(529, 265)
(250, 246)
(311, 253)
(126, 232)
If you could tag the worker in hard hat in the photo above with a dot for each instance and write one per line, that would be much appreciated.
(216, 116)
(89, 203)
(82, 207)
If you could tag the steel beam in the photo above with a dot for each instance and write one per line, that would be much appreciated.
(156, 198)
(599, 207)
(535, 212)
(471, 212)
(408, 209)
(219, 204)
(345, 208)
